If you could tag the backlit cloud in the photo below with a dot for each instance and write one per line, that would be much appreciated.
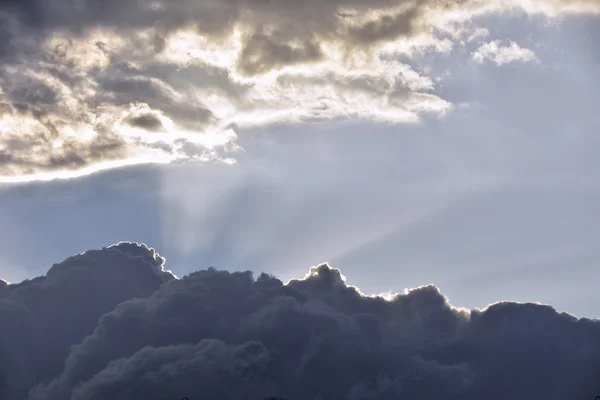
(113, 323)
(70, 73)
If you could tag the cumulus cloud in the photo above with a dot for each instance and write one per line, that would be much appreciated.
(503, 54)
(134, 331)
(41, 318)
(70, 72)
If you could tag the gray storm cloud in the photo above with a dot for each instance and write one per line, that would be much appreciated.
(113, 323)
(43, 317)
(71, 71)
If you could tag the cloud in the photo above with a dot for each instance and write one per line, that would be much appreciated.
(215, 334)
(69, 73)
(41, 318)
(503, 54)
(149, 122)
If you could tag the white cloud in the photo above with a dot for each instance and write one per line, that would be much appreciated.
(503, 54)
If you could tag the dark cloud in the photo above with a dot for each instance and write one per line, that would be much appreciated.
(215, 334)
(261, 53)
(211, 363)
(7, 47)
(41, 94)
(41, 318)
(387, 27)
(149, 122)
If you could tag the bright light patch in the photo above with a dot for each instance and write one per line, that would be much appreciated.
(186, 46)
(83, 133)
(103, 166)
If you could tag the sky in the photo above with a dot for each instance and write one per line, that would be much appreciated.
(449, 143)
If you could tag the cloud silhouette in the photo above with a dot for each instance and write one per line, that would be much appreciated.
(43, 317)
(136, 331)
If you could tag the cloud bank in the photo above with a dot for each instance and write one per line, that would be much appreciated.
(97, 85)
(113, 323)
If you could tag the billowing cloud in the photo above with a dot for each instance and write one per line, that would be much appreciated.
(35, 340)
(215, 334)
(71, 73)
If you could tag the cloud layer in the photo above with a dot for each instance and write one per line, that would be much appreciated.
(102, 84)
(138, 332)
